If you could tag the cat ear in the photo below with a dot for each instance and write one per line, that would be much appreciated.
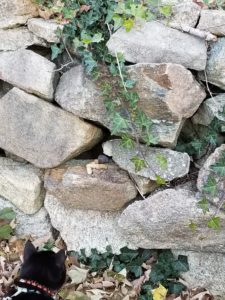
(60, 257)
(29, 250)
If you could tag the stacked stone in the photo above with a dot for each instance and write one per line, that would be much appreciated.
(49, 123)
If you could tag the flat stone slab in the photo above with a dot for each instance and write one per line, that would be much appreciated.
(162, 221)
(153, 42)
(42, 133)
(45, 29)
(18, 38)
(106, 189)
(86, 229)
(36, 225)
(212, 21)
(176, 163)
(22, 185)
(29, 71)
(16, 12)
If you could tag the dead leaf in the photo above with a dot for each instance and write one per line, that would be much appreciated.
(77, 275)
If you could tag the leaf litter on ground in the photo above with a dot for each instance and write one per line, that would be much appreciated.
(84, 282)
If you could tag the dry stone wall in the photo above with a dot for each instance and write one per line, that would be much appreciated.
(52, 126)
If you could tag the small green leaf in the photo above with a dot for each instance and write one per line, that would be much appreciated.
(7, 214)
(5, 231)
(160, 180)
(55, 51)
(181, 264)
(219, 168)
(150, 139)
(139, 163)
(214, 223)
(162, 161)
(128, 24)
(166, 10)
(192, 226)
(127, 142)
(130, 83)
(211, 186)
(119, 124)
(204, 205)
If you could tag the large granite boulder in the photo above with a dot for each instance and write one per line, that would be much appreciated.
(29, 71)
(215, 64)
(106, 189)
(18, 38)
(22, 185)
(86, 229)
(154, 42)
(45, 29)
(176, 164)
(212, 21)
(162, 221)
(16, 12)
(42, 133)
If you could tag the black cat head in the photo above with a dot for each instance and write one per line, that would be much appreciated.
(45, 267)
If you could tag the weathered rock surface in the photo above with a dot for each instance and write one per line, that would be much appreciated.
(145, 185)
(18, 38)
(37, 225)
(41, 133)
(105, 189)
(161, 222)
(167, 91)
(29, 71)
(185, 13)
(215, 64)
(210, 109)
(78, 94)
(157, 43)
(15, 157)
(22, 185)
(176, 163)
(212, 21)
(206, 171)
(16, 12)
(45, 29)
(86, 228)
(206, 270)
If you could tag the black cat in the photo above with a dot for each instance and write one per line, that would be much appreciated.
(42, 274)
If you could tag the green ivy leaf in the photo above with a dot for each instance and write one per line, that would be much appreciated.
(7, 214)
(162, 161)
(211, 186)
(127, 142)
(129, 84)
(181, 264)
(166, 10)
(5, 231)
(55, 51)
(214, 223)
(160, 180)
(150, 139)
(132, 98)
(192, 226)
(119, 124)
(204, 205)
(219, 167)
(139, 163)
(128, 24)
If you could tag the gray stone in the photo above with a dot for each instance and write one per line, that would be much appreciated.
(106, 189)
(41, 133)
(14, 157)
(154, 42)
(16, 12)
(211, 108)
(36, 225)
(185, 13)
(167, 91)
(22, 185)
(144, 185)
(212, 21)
(206, 270)
(18, 38)
(37, 72)
(161, 222)
(176, 163)
(45, 29)
(206, 171)
(78, 94)
(86, 229)
(215, 64)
